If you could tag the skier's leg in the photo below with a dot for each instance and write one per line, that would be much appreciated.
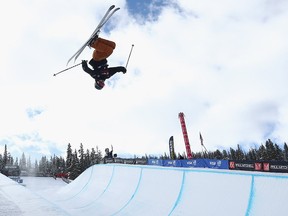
(103, 49)
(98, 56)
(102, 42)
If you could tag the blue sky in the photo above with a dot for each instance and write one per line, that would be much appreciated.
(223, 63)
(147, 10)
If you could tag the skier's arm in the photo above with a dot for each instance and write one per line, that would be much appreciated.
(113, 70)
(86, 68)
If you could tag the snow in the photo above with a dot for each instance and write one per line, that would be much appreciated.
(116, 189)
(19, 200)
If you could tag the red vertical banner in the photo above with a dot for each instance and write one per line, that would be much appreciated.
(185, 135)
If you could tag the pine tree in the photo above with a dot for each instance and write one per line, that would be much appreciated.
(36, 167)
(23, 163)
(43, 166)
(87, 161)
(10, 159)
(93, 156)
(218, 155)
(5, 157)
(239, 153)
(278, 153)
(16, 163)
(261, 153)
(1, 162)
(29, 165)
(233, 154)
(74, 169)
(285, 152)
(54, 167)
(81, 158)
(270, 150)
(69, 157)
(225, 155)
(99, 156)
(252, 154)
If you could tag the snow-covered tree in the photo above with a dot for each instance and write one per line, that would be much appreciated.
(69, 156)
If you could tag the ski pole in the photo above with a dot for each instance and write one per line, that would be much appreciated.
(129, 55)
(67, 69)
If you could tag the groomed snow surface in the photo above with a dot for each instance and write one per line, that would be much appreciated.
(115, 189)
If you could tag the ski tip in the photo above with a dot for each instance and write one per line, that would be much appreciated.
(111, 7)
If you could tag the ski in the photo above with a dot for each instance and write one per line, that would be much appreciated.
(102, 22)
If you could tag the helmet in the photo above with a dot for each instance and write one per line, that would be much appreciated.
(99, 84)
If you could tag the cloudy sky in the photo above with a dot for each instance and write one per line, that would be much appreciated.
(221, 62)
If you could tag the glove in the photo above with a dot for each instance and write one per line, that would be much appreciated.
(84, 65)
(123, 69)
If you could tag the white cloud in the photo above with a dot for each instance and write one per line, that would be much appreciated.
(221, 63)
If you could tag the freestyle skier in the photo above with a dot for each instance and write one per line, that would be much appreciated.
(102, 50)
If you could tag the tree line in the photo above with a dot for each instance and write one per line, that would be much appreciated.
(265, 152)
(78, 160)
(75, 163)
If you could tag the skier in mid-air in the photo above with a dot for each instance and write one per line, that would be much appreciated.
(102, 50)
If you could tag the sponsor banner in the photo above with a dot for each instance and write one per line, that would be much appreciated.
(118, 160)
(128, 161)
(108, 160)
(206, 163)
(245, 165)
(191, 163)
(266, 166)
(141, 161)
(199, 163)
(273, 166)
(155, 162)
(172, 163)
(215, 164)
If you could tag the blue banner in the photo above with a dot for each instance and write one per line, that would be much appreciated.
(172, 163)
(191, 163)
(215, 164)
(155, 162)
(199, 163)
(205, 163)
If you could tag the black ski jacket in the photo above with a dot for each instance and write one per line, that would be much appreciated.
(101, 70)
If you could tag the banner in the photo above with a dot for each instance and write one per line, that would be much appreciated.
(245, 165)
(171, 148)
(172, 163)
(206, 163)
(185, 135)
(129, 161)
(196, 163)
(274, 166)
(140, 161)
(215, 164)
(155, 162)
